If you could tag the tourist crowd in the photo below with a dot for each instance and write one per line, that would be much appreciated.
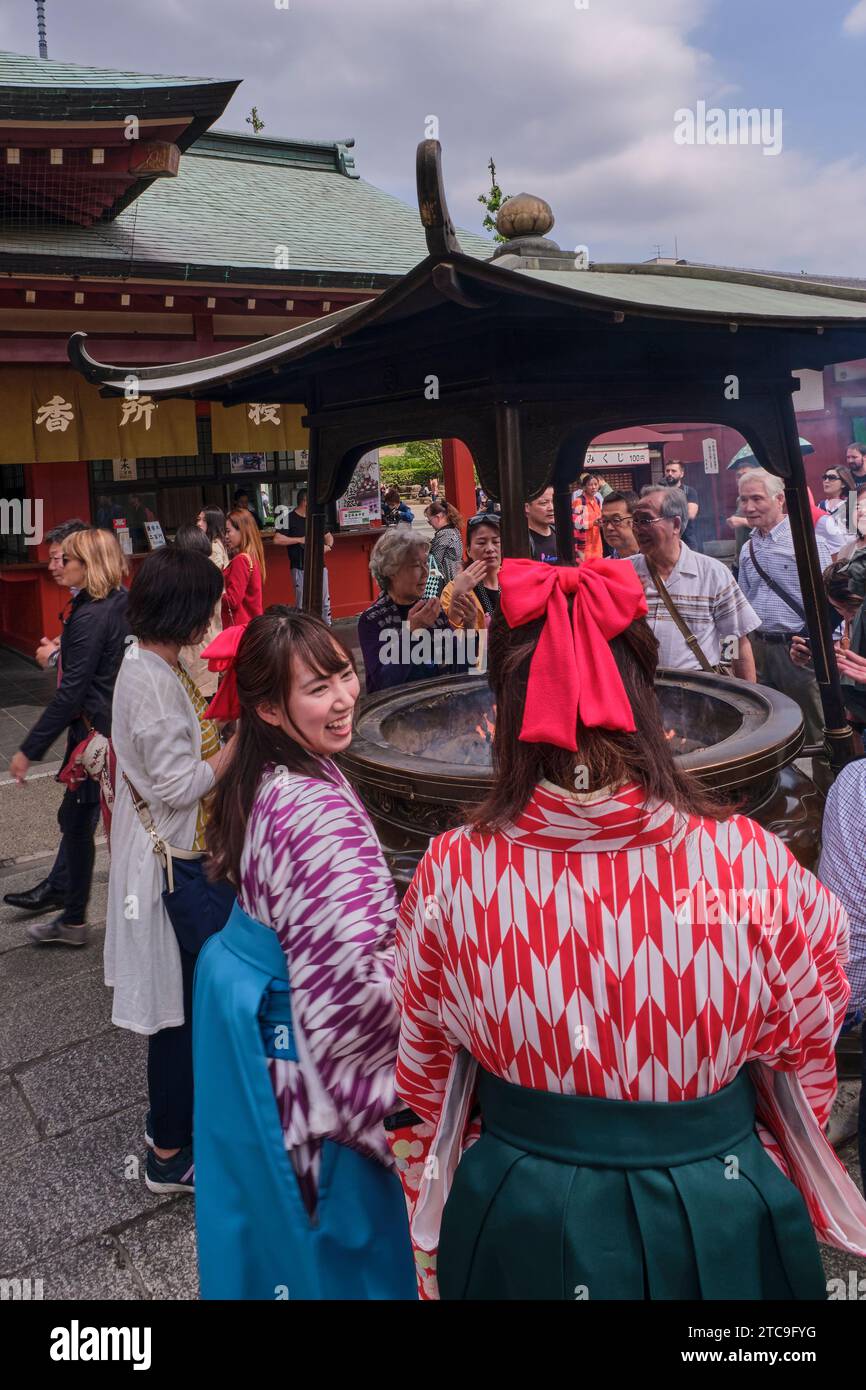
(530, 1078)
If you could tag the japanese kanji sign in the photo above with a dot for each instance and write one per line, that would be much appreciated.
(51, 415)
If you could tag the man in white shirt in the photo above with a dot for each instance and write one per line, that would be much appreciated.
(779, 605)
(702, 590)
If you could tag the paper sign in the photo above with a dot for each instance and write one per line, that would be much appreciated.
(711, 455)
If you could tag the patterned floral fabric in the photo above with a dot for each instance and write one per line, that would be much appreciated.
(312, 869)
(605, 947)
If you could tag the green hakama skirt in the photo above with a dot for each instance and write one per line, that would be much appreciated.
(573, 1197)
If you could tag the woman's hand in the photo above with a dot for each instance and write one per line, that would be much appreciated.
(46, 649)
(466, 580)
(218, 760)
(424, 613)
(850, 664)
(461, 610)
(18, 767)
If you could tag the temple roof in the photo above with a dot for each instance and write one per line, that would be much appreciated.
(80, 144)
(235, 200)
(50, 75)
(808, 325)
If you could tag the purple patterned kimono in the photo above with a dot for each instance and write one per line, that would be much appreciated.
(312, 869)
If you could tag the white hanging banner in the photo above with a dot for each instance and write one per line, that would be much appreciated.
(711, 455)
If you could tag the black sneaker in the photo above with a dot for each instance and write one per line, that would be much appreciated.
(171, 1174)
(148, 1130)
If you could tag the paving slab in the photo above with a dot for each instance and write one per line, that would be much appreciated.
(28, 813)
(94, 1269)
(17, 1126)
(14, 924)
(74, 1187)
(162, 1250)
(68, 1011)
(87, 1082)
(29, 967)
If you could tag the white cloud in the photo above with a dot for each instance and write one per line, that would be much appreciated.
(855, 20)
(574, 105)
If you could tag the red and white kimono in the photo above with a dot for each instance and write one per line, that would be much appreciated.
(603, 947)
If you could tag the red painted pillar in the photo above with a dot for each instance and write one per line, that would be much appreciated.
(459, 471)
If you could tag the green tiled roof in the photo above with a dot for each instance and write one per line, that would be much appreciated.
(224, 216)
(715, 292)
(19, 70)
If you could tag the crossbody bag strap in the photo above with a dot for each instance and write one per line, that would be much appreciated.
(689, 637)
(161, 848)
(777, 588)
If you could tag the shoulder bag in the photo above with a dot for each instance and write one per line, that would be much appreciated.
(723, 668)
(197, 907)
(777, 588)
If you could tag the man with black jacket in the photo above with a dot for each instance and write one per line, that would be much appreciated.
(91, 649)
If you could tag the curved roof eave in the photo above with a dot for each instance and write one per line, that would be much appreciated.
(711, 299)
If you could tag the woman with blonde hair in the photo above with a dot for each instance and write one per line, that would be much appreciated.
(245, 573)
(91, 649)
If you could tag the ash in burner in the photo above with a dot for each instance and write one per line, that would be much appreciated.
(456, 726)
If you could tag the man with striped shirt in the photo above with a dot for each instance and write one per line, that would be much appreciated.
(702, 590)
(770, 548)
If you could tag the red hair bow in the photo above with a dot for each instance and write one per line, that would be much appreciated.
(573, 675)
(220, 656)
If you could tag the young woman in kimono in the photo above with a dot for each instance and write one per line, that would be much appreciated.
(296, 1030)
(639, 991)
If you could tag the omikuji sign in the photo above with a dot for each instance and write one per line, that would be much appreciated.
(617, 458)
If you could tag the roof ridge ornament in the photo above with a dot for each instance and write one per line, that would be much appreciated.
(524, 222)
(433, 209)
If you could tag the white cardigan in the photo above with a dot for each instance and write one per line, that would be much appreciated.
(157, 740)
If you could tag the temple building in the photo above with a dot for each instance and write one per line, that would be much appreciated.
(124, 213)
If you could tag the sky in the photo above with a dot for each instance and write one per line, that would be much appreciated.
(576, 100)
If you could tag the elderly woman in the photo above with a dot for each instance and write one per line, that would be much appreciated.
(396, 632)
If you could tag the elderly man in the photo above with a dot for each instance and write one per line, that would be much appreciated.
(768, 577)
(696, 610)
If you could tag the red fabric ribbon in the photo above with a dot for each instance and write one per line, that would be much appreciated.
(220, 656)
(817, 512)
(573, 675)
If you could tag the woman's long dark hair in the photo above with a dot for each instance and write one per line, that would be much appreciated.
(611, 759)
(263, 668)
(215, 523)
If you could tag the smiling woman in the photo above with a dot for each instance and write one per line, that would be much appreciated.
(296, 1046)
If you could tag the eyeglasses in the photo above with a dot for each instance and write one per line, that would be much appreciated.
(831, 478)
(615, 520)
(646, 519)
